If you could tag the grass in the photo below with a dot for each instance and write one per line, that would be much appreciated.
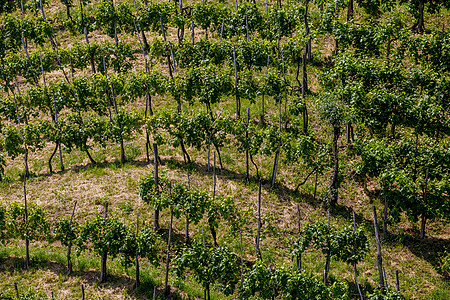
(109, 181)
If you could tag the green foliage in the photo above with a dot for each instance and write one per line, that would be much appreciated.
(281, 21)
(28, 295)
(149, 16)
(172, 128)
(235, 23)
(12, 29)
(291, 284)
(287, 283)
(152, 194)
(66, 232)
(143, 244)
(223, 208)
(122, 126)
(3, 228)
(400, 167)
(432, 50)
(345, 244)
(379, 94)
(77, 131)
(247, 87)
(374, 7)
(218, 266)
(257, 282)
(208, 15)
(192, 203)
(12, 141)
(106, 235)
(119, 58)
(445, 266)
(37, 226)
(2, 166)
(272, 84)
(108, 14)
(9, 6)
(389, 295)
(253, 53)
(207, 84)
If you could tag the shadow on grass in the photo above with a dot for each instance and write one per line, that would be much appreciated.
(430, 249)
(91, 277)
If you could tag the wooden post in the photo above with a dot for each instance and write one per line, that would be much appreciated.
(203, 236)
(148, 100)
(27, 54)
(210, 136)
(354, 266)
(27, 242)
(385, 210)
(166, 281)
(315, 184)
(308, 48)
(148, 107)
(82, 292)
(69, 262)
(304, 91)
(214, 177)
(42, 67)
(209, 151)
(186, 236)
(258, 251)
(21, 6)
(193, 33)
(155, 159)
(379, 257)
(299, 257)
(211, 226)
(17, 290)
(397, 282)
(271, 280)
(165, 40)
(246, 151)
(116, 39)
(122, 149)
(246, 25)
(262, 98)
(334, 187)
(162, 29)
(57, 127)
(27, 172)
(137, 257)
(205, 290)
(328, 258)
(53, 118)
(242, 252)
(350, 11)
(275, 165)
(221, 28)
(424, 217)
(92, 57)
(105, 253)
(385, 278)
(285, 92)
(173, 58)
(238, 102)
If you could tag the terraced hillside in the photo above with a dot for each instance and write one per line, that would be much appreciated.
(225, 150)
